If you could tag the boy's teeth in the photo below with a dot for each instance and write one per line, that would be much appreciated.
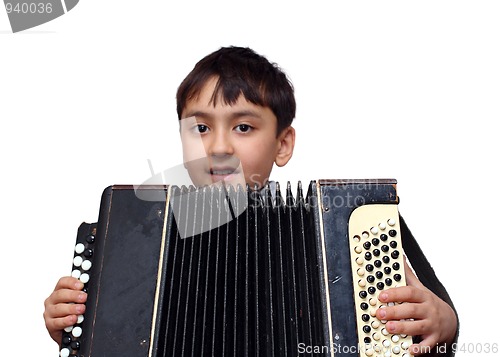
(221, 172)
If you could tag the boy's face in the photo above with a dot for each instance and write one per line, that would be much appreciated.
(235, 143)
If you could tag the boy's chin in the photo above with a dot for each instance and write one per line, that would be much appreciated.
(233, 180)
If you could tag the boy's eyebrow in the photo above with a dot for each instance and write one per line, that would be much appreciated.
(233, 115)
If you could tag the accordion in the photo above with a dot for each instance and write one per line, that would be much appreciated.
(223, 271)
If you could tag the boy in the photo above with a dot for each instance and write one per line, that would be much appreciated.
(235, 109)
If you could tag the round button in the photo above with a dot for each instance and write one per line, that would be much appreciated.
(88, 253)
(77, 331)
(86, 264)
(79, 248)
(77, 261)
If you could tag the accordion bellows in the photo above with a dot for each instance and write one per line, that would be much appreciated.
(218, 271)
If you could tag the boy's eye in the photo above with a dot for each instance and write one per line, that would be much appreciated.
(243, 128)
(200, 128)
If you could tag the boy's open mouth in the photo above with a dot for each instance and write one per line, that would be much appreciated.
(220, 173)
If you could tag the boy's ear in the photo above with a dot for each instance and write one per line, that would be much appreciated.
(286, 144)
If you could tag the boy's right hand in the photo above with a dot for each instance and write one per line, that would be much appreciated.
(63, 306)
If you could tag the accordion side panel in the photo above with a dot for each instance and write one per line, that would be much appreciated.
(129, 276)
(122, 283)
(338, 200)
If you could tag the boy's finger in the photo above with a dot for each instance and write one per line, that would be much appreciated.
(66, 296)
(401, 311)
(402, 294)
(68, 282)
(408, 327)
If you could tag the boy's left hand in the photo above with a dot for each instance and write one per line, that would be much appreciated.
(431, 318)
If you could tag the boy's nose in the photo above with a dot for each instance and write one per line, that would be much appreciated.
(220, 145)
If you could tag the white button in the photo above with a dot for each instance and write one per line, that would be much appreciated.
(382, 226)
(77, 331)
(391, 222)
(77, 261)
(79, 248)
(76, 273)
(84, 278)
(64, 352)
(374, 230)
(68, 329)
(80, 319)
(86, 264)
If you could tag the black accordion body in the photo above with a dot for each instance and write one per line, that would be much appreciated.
(217, 271)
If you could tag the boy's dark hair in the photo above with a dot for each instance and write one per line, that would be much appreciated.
(241, 71)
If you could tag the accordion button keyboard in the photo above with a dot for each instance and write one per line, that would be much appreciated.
(82, 263)
(374, 240)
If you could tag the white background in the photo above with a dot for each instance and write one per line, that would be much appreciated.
(408, 90)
